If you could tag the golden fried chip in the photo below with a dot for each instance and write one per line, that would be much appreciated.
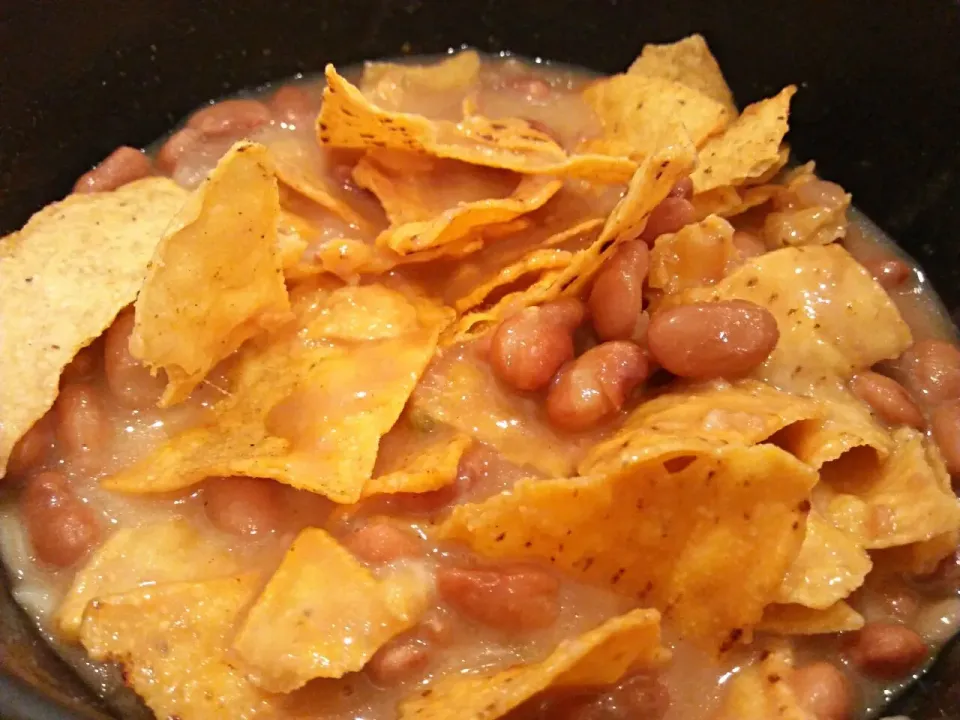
(748, 149)
(415, 88)
(134, 557)
(728, 201)
(688, 61)
(822, 300)
(349, 120)
(323, 614)
(216, 280)
(428, 463)
(673, 532)
(171, 641)
(818, 225)
(744, 413)
(598, 657)
(762, 692)
(293, 232)
(802, 620)
(699, 254)
(63, 279)
(310, 402)
(920, 558)
(830, 566)
(637, 111)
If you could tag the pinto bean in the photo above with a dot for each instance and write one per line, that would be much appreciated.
(748, 244)
(887, 651)
(122, 166)
(683, 189)
(595, 385)
(932, 369)
(229, 117)
(182, 142)
(292, 105)
(527, 349)
(83, 365)
(31, 448)
(60, 527)
(705, 340)
(514, 598)
(889, 272)
(398, 660)
(82, 427)
(669, 216)
(129, 380)
(945, 427)
(641, 696)
(888, 398)
(823, 691)
(616, 299)
(243, 505)
(379, 541)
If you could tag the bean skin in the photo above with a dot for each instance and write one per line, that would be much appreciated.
(61, 528)
(748, 245)
(616, 299)
(891, 273)
(243, 505)
(514, 598)
(397, 661)
(823, 691)
(887, 651)
(707, 340)
(683, 189)
(129, 380)
(945, 428)
(82, 428)
(182, 142)
(379, 542)
(122, 166)
(229, 117)
(932, 369)
(292, 105)
(32, 447)
(888, 398)
(672, 214)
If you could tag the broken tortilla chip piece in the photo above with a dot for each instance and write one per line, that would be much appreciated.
(748, 149)
(63, 279)
(728, 201)
(171, 641)
(348, 120)
(802, 620)
(430, 464)
(697, 255)
(688, 61)
(673, 535)
(302, 628)
(762, 692)
(287, 418)
(599, 657)
(134, 557)
(415, 88)
(216, 280)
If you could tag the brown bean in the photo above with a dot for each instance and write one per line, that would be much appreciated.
(122, 166)
(380, 541)
(398, 660)
(182, 142)
(888, 398)
(889, 272)
(932, 369)
(669, 216)
(83, 365)
(683, 189)
(229, 117)
(82, 427)
(509, 597)
(616, 299)
(243, 505)
(706, 340)
(823, 691)
(748, 244)
(129, 380)
(637, 697)
(32, 448)
(527, 349)
(945, 428)
(60, 527)
(886, 650)
(291, 105)
(596, 385)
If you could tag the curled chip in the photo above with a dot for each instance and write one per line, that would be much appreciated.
(762, 692)
(748, 149)
(699, 254)
(637, 111)
(349, 120)
(688, 61)
(171, 641)
(428, 462)
(676, 528)
(216, 279)
(406, 87)
(150, 555)
(729, 202)
(288, 417)
(802, 620)
(598, 657)
(302, 628)
(922, 558)
(63, 279)
(818, 225)
(830, 566)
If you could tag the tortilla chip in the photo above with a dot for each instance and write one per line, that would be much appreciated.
(292, 234)
(748, 149)
(744, 413)
(171, 641)
(598, 657)
(135, 557)
(922, 558)
(302, 627)
(216, 280)
(801, 620)
(830, 566)
(63, 279)
(729, 202)
(699, 254)
(652, 182)
(822, 299)
(287, 418)
(762, 692)
(396, 86)
(349, 120)
(688, 61)
(671, 540)
(636, 111)
(430, 464)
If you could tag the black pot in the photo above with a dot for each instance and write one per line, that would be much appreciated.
(879, 109)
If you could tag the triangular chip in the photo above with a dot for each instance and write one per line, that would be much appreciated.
(323, 614)
(699, 254)
(425, 462)
(688, 61)
(171, 641)
(425, 89)
(216, 279)
(802, 620)
(762, 692)
(820, 224)
(63, 279)
(672, 536)
(729, 201)
(598, 657)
